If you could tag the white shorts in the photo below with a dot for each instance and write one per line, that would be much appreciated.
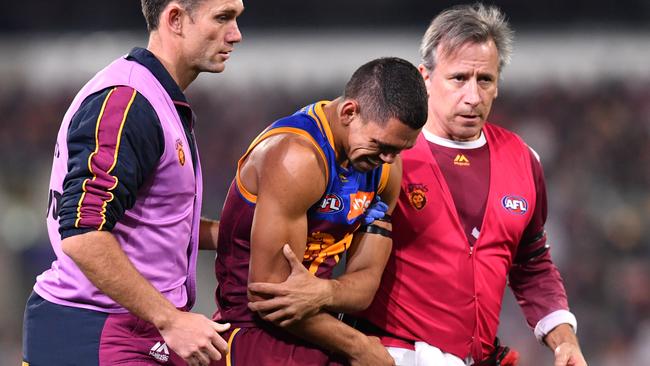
(424, 355)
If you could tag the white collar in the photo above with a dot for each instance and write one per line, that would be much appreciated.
(474, 144)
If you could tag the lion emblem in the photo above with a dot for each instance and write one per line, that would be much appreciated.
(181, 153)
(417, 195)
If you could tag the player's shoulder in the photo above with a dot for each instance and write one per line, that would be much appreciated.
(299, 120)
(290, 163)
(287, 147)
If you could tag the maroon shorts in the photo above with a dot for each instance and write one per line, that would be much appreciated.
(273, 347)
(63, 335)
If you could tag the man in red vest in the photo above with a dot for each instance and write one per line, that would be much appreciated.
(470, 216)
(469, 219)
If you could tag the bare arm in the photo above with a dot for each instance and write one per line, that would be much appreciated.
(336, 336)
(367, 258)
(304, 294)
(208, 234)
(288, 177)
(101, 259)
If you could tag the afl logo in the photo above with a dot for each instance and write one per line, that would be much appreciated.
(515, 204)
(332, 203)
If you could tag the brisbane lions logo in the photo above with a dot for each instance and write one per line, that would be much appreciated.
(515, 204)
(180, 152)
(417, 195)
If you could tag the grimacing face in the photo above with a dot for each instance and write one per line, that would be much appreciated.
(211, 34)
(371, 143)
(461, 88)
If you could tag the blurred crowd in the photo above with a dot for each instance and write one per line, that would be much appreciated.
(594, 143)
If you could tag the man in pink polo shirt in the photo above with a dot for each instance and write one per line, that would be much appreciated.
(125, 203)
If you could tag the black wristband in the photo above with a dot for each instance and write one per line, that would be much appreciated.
(374, 229)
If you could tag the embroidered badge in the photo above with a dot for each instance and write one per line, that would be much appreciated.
(417, 195)
(181, 153)
(515, 204)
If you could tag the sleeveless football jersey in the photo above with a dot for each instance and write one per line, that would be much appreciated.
(331, 220)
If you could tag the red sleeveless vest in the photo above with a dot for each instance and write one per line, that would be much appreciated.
(436, 288)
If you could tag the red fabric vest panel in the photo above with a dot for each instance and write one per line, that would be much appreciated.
(435, 287)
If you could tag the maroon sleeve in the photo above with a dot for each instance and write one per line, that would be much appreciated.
(533, 278)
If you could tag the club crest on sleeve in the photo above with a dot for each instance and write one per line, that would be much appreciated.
(417, 194)
(332, 203)
(515, 204)
(181, 153)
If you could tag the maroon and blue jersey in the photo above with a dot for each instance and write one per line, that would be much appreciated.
(331, 220)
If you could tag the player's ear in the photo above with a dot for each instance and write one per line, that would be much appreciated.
(348, 111)
(424, 72)
(172, 17)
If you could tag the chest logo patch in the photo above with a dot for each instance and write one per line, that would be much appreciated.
(417, 194)
(515, 204)
(461, 160)
(332, 203)
(359, 202)
(180, 152)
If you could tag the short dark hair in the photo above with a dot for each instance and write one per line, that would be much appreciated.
(389, 87)
(151, 9)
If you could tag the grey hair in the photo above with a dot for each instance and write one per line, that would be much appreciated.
(460, 24)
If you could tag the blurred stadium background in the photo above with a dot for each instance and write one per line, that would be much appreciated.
(578, 90)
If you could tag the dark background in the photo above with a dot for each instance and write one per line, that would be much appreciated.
(79, 15)
(570, 93)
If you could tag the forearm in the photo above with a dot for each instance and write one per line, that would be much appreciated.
(208, 234)
(355, 289)
(330, 334)
(102, 260)
(352, 292)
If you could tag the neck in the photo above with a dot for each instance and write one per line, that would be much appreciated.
(435, 129)
(172, 61)
(332, 114)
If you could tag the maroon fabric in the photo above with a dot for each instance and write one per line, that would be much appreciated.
(91, 208)
(233, 255)
(128, 340)
(273, 347)
(466, 172)
(437, 287)
(537, 283)
(231, 263)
